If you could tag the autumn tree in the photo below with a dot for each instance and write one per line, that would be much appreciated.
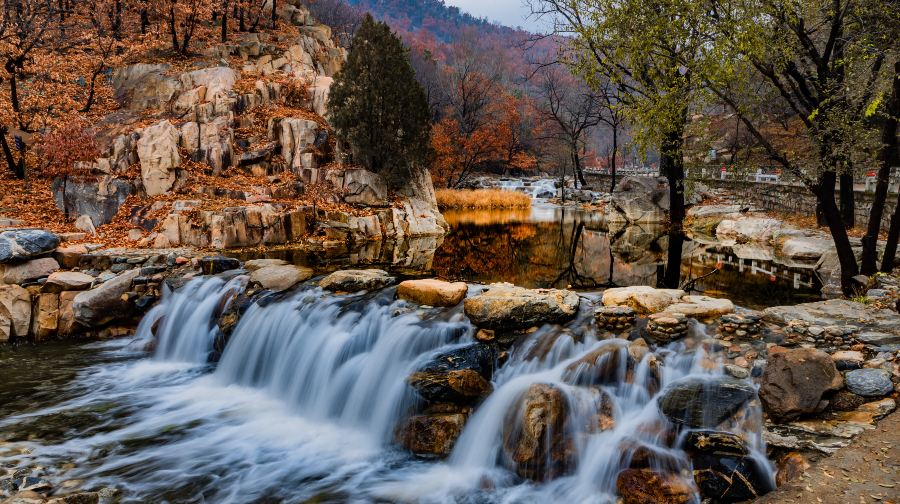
(376, 106)
(572, 110)
(829, 64)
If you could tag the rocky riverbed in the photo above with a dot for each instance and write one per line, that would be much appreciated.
(722, 385)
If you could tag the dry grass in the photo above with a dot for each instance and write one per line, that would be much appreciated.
(481, 198)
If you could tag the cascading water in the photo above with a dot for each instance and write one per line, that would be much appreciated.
(307, 395)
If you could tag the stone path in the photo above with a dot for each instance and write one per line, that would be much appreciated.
(867, 471)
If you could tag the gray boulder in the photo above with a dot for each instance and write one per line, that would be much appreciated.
(99, 199)
(108, 302)
(141, 86)
(640, 200)
(869, 382)
(362, 187)
(704, 402)
(24, 244)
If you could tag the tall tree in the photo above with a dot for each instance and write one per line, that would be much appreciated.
(376, 106)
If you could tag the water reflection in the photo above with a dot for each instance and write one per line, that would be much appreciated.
(551, 246)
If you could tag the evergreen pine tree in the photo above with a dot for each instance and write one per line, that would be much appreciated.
(378, 108)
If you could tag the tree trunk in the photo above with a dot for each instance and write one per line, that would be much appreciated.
(890, 157)
(576, 162)
(172, 29)
(612, 163)
(873, 228)
(274, 14)
(145, 21)
(17, 168)
(672, 275)
(224, 36)
(848, 204)
(832, 215)
(671, 165)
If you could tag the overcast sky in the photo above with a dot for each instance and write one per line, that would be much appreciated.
(507, 12)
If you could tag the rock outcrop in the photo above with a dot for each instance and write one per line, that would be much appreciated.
(640, 200)
(158, 152)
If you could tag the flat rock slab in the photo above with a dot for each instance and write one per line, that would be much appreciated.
(642, 298)
(869, 382)
(504, 306)
(67, 281)
(701, 307)
(357, 280)
(22, 272)
(837, 312)
(432, 292)
(280, 277)
(255, 264)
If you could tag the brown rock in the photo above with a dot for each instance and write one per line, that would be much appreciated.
(67, 281)
(643, 486)
(534, 436)
(70, 256)
(796, 381)
(432, 292)
(46, 321)
(15, 312)
(29, 270)
(66, 313)
(790, 466)
(431, 434)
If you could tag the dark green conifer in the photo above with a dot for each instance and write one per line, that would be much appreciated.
(376, 106)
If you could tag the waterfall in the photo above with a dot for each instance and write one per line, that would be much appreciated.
(184, 322)
(332, 363)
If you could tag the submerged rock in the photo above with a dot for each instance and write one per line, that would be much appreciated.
(869, 382)
(357, 280)
(704, 402)
(460, 376)
(796, 381)
(23, 244)
(431, 434)
(643, 486)
(504, 306)
(432, 292)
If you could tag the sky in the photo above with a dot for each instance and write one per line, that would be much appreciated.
(507, 12)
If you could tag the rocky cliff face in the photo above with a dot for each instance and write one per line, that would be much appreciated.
(238, 153)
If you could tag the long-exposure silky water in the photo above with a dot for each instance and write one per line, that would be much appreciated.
(307, 398)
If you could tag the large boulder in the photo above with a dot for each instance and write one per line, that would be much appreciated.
(210, 142)
(23, 244)
(433, 434)
(362, 187)
(15, 312)
(642, 298)
(723, 469)
(213, 265)
(141, 86)
(504, 306)
(357, 280)
(158, 152)
(280, 277)
(796, 382)
(98, 198)
(802, 245)
(460, 376)
(748, 229)
(644, 486)
(217, 81)
(108, 302)
(535, 438)
(703, 402)
(432, 292)
(28, 271)
(869, 382)
(640, 200)
(837, 312)
(319, 92)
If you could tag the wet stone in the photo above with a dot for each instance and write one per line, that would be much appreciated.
(704, 402)
(615, 318)
(869, 382)
(666, 327)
